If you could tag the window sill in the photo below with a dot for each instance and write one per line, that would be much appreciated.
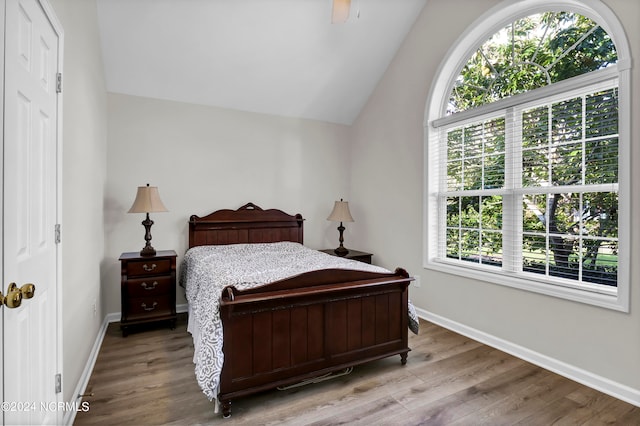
(609, 300)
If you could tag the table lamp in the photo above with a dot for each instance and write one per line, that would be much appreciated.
(147, 201)
(341, 214)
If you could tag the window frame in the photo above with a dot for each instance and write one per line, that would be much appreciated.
(485, 26)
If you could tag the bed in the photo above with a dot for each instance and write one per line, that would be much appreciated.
(274, 331)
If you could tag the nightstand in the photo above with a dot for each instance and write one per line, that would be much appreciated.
(353, 254)
(148, 288)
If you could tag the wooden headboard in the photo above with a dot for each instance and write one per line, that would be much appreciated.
(248, 224)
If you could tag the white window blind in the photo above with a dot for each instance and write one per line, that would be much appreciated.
(532, 189)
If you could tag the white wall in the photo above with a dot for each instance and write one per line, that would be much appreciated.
(387, 181)
(84, 175)
(204, 159)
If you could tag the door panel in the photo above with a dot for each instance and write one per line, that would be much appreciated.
(30, 212)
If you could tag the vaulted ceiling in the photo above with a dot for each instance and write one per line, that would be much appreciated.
(281, 57)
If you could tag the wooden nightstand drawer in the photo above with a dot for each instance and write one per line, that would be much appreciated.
(149, 287)
(149, 267)
(143, 307)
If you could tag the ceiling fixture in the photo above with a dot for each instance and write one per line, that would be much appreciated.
(340, 12)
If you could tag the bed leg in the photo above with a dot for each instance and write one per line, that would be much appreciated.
(403, 358)
(226, 408)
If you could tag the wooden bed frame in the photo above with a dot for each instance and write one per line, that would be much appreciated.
(304, 326)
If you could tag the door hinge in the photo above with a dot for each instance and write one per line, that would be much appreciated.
(57, 233)
(59, 82)
(58, 383)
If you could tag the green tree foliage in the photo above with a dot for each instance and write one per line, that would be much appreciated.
(532, 52)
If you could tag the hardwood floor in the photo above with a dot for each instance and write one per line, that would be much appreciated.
(148, 378)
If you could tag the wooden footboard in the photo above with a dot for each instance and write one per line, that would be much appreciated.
(309, 325)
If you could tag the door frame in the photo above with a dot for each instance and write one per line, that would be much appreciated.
(57, 27)
(2, 285)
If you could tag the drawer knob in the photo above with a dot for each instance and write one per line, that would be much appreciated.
(149, 287)
(149, 268)
(144, 306)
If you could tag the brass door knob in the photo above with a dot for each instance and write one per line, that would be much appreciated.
(28, 290)
(13, 299)
(14, 296)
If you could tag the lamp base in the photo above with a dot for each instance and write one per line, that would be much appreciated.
(341, 251)
(148, 251)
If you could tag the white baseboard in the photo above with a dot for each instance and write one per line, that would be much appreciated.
(81, 387)
(587, 378)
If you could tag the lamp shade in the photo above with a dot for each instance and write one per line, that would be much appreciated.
(340, 12)
(147, 201)
(341, 212)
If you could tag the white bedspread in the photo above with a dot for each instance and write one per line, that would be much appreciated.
(207, 270)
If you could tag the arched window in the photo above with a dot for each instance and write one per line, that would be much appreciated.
(527, 146)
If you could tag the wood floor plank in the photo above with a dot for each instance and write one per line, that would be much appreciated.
(529, 399)
(148, 378)
(466, 402)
